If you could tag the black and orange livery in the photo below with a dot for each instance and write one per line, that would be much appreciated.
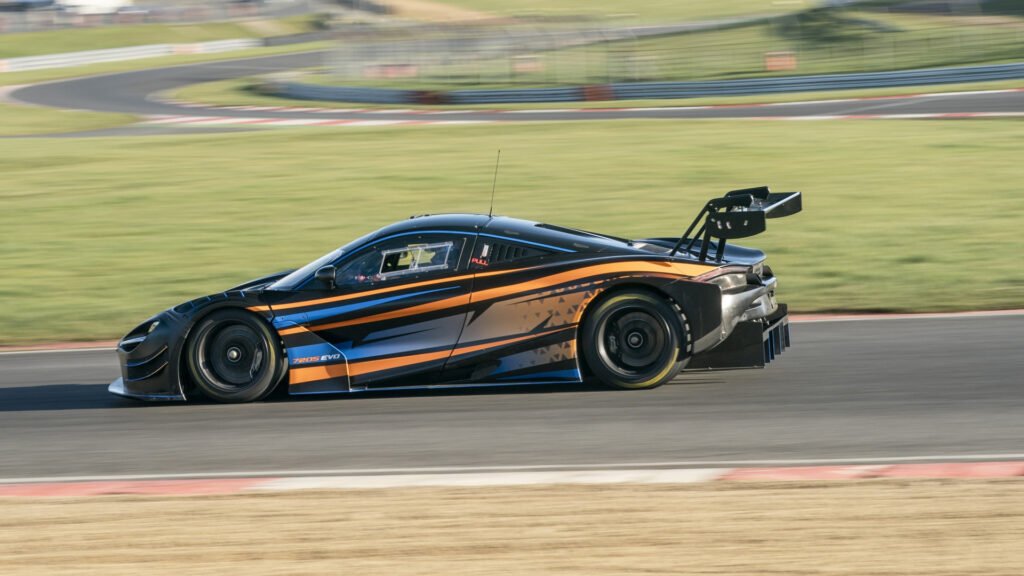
(469, 300)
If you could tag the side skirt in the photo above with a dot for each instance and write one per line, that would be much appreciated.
(443, 387)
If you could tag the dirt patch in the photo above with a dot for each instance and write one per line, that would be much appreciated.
(840, 528)
(434, 11)
(266, 27)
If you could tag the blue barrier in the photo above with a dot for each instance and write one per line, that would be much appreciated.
(570, 94)
(754, 86)
(300, 91)
(652, 90)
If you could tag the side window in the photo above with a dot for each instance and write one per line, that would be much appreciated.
(398, 259)
(494, 253)
(417, 258)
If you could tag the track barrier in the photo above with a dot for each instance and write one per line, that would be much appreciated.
(649, 90)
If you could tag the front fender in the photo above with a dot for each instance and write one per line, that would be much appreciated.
(151, 356)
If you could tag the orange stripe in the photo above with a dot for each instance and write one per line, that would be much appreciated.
(679, 268)
(688, 270)
(313, 373)
(583, 306)
(399, 313)
(305, 303)
(309, 374)
(367, 366)
(477, 347)
(596, 270)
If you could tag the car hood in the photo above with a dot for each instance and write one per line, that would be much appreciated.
(258, 284)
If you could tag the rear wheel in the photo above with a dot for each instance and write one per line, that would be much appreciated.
(233, 356)
(633, 340)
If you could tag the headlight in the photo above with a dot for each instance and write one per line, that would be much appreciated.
(730, 281)
(138, 335)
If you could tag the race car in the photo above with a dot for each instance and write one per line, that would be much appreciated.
(457, 300)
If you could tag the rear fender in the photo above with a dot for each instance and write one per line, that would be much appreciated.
(700, 301)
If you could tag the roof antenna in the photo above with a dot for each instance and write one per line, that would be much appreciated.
(490, 212)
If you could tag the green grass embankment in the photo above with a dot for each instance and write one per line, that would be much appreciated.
(899, 215)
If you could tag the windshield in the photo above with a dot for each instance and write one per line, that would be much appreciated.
(296, 279)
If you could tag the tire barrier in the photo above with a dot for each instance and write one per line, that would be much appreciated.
(649, 90)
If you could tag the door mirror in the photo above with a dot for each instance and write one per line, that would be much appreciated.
(327, 275)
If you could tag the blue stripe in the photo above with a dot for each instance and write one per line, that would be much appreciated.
(309, 317)
(548, 246)
(572, 374)
(421, 232)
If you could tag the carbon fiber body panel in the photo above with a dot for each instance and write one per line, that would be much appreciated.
(505, 308)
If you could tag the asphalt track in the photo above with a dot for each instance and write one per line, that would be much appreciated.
(136, 93)
(863, 391)
(858, 391)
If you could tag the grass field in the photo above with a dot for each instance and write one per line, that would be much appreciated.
(854, 528)
(660, 10)
(74, 40)
(27, 120)
(898, 215)
(821, 41)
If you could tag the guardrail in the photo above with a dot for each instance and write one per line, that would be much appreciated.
(650, 90)
(118, 54)
(147, 13)
(953, 75)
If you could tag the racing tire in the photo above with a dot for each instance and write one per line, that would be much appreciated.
(233, 357)
(634, 340)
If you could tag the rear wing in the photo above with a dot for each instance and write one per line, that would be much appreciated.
(738, 214)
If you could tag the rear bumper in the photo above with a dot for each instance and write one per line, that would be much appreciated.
(741, 304)
(752, 344)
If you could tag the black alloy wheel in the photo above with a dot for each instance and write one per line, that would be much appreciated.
(233, 356)
(634, 340)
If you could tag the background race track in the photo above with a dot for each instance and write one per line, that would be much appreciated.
(870, 390)
(137, 93)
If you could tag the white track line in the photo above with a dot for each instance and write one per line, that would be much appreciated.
(679, 476)
(431, 119)
(645, 467)
(964, 93)
(814, 319)
(806, 102)
(59, 350)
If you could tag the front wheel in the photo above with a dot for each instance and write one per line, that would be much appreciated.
(633, 340)
(233, 356)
